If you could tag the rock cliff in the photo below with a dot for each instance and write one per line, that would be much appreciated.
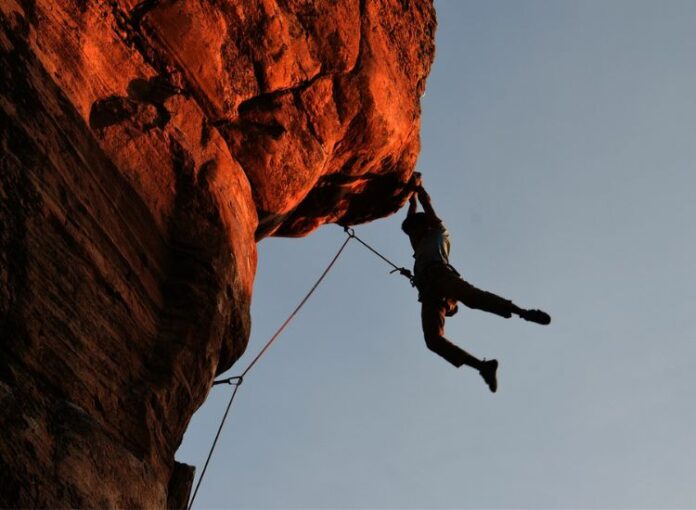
(146, 147)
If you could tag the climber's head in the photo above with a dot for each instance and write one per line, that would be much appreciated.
(415, 224)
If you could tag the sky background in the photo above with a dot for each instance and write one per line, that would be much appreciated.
(559, 145)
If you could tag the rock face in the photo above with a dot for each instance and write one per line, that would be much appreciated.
(146, 147)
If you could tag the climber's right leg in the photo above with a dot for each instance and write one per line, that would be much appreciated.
(433, 322)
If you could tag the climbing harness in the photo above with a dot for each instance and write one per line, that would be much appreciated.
(237, 381)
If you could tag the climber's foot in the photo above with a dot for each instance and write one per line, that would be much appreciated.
(488, 372)
(536, 316)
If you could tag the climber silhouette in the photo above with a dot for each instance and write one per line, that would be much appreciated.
(440, 286)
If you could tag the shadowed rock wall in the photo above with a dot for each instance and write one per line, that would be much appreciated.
(146, 147)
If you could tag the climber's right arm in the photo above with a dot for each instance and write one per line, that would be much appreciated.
(425, 201)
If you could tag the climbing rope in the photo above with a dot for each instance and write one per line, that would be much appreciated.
(237, 381)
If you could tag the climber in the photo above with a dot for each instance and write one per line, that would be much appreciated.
(440, 286)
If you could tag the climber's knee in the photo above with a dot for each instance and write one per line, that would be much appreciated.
(436, 342)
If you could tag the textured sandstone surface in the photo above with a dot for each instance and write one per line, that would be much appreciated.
(146, 148)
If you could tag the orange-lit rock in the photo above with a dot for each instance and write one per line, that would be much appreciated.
(146, 147)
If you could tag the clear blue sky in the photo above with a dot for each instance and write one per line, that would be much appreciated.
(559, 145)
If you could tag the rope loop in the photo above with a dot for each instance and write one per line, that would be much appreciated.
(232, 381)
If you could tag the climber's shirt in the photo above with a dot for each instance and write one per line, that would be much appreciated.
(433, 249)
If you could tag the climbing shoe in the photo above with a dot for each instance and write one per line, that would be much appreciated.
(487, 371)
(536, 316)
